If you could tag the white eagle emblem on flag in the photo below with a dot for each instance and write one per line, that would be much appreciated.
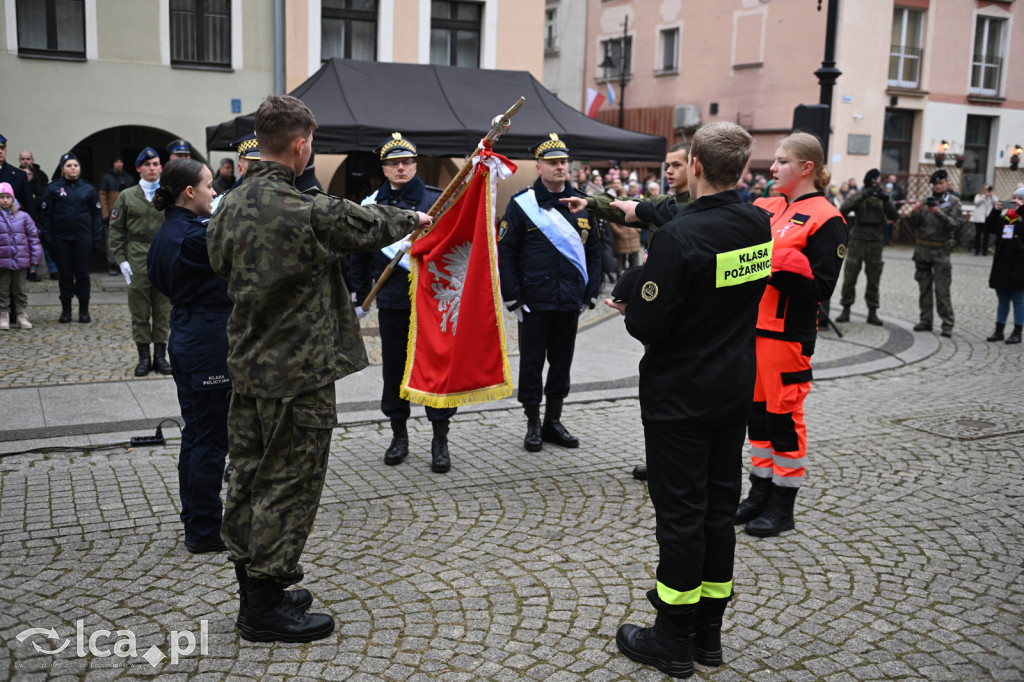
(449, 282)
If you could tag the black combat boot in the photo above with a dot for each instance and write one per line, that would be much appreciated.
(145, 362)
(440, 461)
(83, 312)
(532, 442)
(640, 472)
(300, 599)
(65, 311)
(668, 645)
(399, 448)
(271, 617)
(997, 335)
(873, 317)
(160, 363)
(1015, 336)
(757, 500)
(777, 516)
(845, 315)
(707, 629)
(552, 431)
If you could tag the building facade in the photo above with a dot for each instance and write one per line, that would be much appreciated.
(108, 77)
(919, 78)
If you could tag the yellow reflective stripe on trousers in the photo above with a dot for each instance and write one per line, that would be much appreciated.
(743, 265)
(676, 598)
(716, 590)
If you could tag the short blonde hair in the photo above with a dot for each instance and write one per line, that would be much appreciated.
(723, 149)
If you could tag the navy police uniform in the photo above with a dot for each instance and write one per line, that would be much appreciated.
(179, 267)
(550, 266)
(19, 183)
(394, 310)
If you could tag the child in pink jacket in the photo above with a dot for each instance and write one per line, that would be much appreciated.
(19, 250)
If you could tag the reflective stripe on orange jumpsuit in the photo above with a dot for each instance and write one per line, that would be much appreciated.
(809, 241)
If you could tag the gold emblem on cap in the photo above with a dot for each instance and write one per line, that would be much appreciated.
(552, 143)
(649, 291)
(397, 141)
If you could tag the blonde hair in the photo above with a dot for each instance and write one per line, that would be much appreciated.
(807, 147)
(723, 149)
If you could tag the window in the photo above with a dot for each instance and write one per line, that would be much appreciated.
(201, 33)
(348, 29)
(621, 57)
(51, 28)
(550, 29)
(905, 53)
(896, 141)
(455, 33)
(669, 50)
(987, 62)
(976, 145)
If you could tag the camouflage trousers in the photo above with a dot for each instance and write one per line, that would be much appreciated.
(278, 449)
(868, 253)
(934, 275)
(151, 311)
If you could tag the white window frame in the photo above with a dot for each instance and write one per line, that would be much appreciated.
(661, 66)
(988, 22)
(899, 53)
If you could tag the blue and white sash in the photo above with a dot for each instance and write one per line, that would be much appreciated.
(391, 249)
(557, 229)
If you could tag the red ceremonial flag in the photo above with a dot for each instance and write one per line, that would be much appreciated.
(594, 102)
(456, 351)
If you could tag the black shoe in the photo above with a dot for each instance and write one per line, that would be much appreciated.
(757, 500)
(845, 315)
(947, 333)
(271, 617)
(299, 599)
(1015, 336)
(33, 277)
(707, 631)
(552, 431)
(145, 361)
(997, 335)
(399, 448)
(922, 327)
(666, 646)
(160, 363)
(65, 312)
(532, 441)
(873, 317)
(205, 547)
(640, 472)
(440, 461)
(777, 516)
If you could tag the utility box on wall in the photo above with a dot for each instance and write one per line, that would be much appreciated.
(686, 116)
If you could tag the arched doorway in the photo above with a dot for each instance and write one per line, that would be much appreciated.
(97, 151)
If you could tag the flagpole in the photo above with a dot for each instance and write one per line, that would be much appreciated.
(499, 126)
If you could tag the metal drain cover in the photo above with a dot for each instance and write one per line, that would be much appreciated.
(970, 426)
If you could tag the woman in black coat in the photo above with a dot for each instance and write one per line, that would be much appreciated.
(1007, 276)
(69, 222)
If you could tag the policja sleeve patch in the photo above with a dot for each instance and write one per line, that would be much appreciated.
(649, 291)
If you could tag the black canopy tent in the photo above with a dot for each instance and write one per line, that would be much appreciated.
(445, 110)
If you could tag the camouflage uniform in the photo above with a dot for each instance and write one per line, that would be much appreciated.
(934, 233)
(133, 224)
(291, 335)
(658, 209)
(865, 246)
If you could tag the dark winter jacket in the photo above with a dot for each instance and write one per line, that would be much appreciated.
(1008, 261)
(70, 211)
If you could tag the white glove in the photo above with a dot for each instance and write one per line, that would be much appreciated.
(405, 244)
(360, 313)
(519, 314)
(126, 270)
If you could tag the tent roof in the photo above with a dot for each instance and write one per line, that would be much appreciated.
(445, 111)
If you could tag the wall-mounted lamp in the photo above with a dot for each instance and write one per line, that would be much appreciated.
(940, 156)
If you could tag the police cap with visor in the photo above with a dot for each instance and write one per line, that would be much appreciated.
(397, 147)
(248, 147)
(551, 148)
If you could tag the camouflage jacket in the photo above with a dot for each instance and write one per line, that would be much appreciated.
(937, 230)
(293, 328)
(600, 206)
